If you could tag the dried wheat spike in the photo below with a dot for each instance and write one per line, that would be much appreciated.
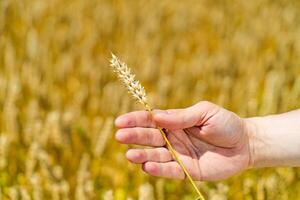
(137, 91)
(124, 73)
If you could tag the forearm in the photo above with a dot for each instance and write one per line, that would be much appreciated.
(274, 140)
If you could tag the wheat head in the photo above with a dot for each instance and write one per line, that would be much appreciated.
(138, 92)
(134, 86)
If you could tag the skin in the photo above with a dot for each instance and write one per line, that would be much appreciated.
(212, 142)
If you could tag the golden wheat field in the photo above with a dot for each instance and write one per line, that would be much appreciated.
(59, 97)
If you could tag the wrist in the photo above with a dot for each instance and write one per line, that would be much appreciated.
(258, 143)
(273, 141)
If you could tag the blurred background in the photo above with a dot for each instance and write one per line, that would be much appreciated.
(59, 98)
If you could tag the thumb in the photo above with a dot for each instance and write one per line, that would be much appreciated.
(180, 118)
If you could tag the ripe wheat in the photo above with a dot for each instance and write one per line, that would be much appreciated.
(138, 92)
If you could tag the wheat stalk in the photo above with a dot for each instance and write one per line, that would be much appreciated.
(138, 92)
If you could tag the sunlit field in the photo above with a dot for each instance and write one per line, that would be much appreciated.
(59, 97)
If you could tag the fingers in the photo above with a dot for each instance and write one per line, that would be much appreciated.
(168, 170)
(135, 119)
(145, 155)
(183, 118)
(176, 120)
(170, 119)
(139, 119)
(140, 136)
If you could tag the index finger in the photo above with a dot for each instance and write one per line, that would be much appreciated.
(135, 119)
(140, 118)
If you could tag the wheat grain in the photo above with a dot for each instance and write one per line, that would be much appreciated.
(24, 194)
(159, 186)
(4, 148)
(65, 190)
(55, 191)
(84, 187)
(108, 195)
(13, 193)
(35, 181)
(137, 90)
(134, 87)
(103, 137)
(146, 192)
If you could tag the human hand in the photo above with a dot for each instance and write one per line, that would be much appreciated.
(212, 142)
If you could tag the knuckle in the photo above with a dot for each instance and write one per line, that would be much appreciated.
(178, 173)
(205, 104)
(131, 135)
(156, 138)
(149, 138)
(148, 118)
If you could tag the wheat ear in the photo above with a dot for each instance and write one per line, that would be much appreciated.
(138, 92)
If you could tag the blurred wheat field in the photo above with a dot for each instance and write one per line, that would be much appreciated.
(59, 98)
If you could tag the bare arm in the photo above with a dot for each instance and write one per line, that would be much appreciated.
(275, 140)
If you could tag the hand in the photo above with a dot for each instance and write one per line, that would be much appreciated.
(212, 142)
